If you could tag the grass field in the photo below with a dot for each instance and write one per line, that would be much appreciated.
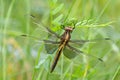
(25, 58)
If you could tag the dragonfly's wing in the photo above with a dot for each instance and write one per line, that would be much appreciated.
(50, 46)
(85, 41)
(40, 34)
(69, 53)
(80, 43)
(51, 42)
(76, 51)
(44, 27)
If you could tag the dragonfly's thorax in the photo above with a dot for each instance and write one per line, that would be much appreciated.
(65, 37)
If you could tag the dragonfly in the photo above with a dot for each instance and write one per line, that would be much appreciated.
(63, 45)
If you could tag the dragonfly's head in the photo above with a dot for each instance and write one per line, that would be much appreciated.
(69, 29)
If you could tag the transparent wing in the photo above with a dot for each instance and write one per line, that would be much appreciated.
(52, 47)
(79, 52)
(69, 53)
(39, 33)
(81, 42)
(43, 27)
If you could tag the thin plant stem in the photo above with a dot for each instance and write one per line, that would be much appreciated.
(4, 38)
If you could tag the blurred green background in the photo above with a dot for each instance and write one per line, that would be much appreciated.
(26, 59)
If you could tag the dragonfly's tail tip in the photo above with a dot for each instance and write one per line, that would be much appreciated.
(51, 71)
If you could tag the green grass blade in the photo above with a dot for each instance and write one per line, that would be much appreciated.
(4, 38)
